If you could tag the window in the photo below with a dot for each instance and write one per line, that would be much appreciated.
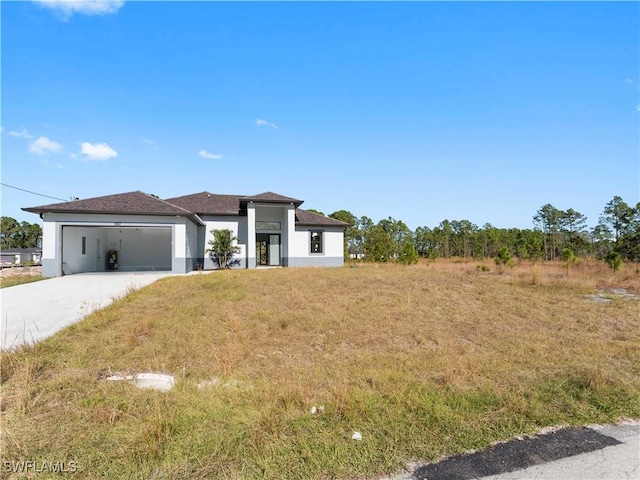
(316, 242)
(268, 225)
(84, 245)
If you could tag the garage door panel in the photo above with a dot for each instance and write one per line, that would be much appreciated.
(84, 249)
(142, 249)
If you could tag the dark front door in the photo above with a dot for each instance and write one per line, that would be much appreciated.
(267, 249)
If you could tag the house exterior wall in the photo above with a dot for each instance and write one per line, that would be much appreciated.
(181, 242)
(295, 241)
(176, 243)
(19, 256)
(192, 258)
(332, 251)
(238, 227)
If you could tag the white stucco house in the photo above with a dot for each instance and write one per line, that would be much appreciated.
(135, 232)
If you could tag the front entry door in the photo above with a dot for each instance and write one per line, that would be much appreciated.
(268, 249)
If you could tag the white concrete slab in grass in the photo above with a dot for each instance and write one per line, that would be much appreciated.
(34, 311)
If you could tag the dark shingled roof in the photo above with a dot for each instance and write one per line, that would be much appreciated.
(206, 203)
(313, 219)
(137, 202)
(270, 197)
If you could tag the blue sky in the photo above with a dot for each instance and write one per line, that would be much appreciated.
(420, 111)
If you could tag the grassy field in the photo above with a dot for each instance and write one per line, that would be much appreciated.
(18, 280)
(423, 361)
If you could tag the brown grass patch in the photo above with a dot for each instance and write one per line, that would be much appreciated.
(425, 360)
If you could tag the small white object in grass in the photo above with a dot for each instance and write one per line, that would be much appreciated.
(314, 410)
(321, 408)
(356, 436)
(157, 381)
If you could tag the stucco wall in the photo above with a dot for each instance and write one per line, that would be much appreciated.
(193, 257)
(238, 227)
(332, 253)
(171, 247)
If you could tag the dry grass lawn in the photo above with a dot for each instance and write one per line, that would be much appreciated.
(424, 361)
(14, 280)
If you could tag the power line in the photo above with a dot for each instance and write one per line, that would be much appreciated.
(33, 193)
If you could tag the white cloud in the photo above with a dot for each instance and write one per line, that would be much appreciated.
(205, 154)
(21, 134)
(83, 7)
(97, 151)
(264, 123)
(43, 145)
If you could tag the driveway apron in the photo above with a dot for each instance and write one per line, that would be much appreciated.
(34, 311)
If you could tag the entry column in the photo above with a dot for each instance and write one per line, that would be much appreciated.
(251, 235)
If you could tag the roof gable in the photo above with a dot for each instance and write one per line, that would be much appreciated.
(270, 197)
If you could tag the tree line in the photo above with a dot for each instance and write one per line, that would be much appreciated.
(14, 234)
(555, 234)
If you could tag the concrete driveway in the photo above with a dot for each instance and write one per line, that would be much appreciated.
(34, 311)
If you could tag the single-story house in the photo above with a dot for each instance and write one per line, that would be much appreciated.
(18, 256)
(135, 232)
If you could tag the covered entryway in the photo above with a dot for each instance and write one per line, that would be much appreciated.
(268, 249)
(132, 248)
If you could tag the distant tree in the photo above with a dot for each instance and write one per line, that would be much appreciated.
(569, 258)
(408, 254)
(504, 257)
(629, 242)
(378, 245)
(617, 215)
(362, 228)
(601, 240)
(222, 248)
(313, 210)
(445, 231)
(351, 233)
(398, 233)
(424, 241)
(573, 223)
(548, 220)
(8, 228)
(18, 235)
(614, 260)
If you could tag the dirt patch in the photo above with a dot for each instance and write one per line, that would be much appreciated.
(17, 270)
(608, 296)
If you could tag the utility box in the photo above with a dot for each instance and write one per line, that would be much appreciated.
(112, 260)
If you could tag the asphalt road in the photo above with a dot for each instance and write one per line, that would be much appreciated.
(598, 452)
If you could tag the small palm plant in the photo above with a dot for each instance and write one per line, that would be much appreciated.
(222, 248)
